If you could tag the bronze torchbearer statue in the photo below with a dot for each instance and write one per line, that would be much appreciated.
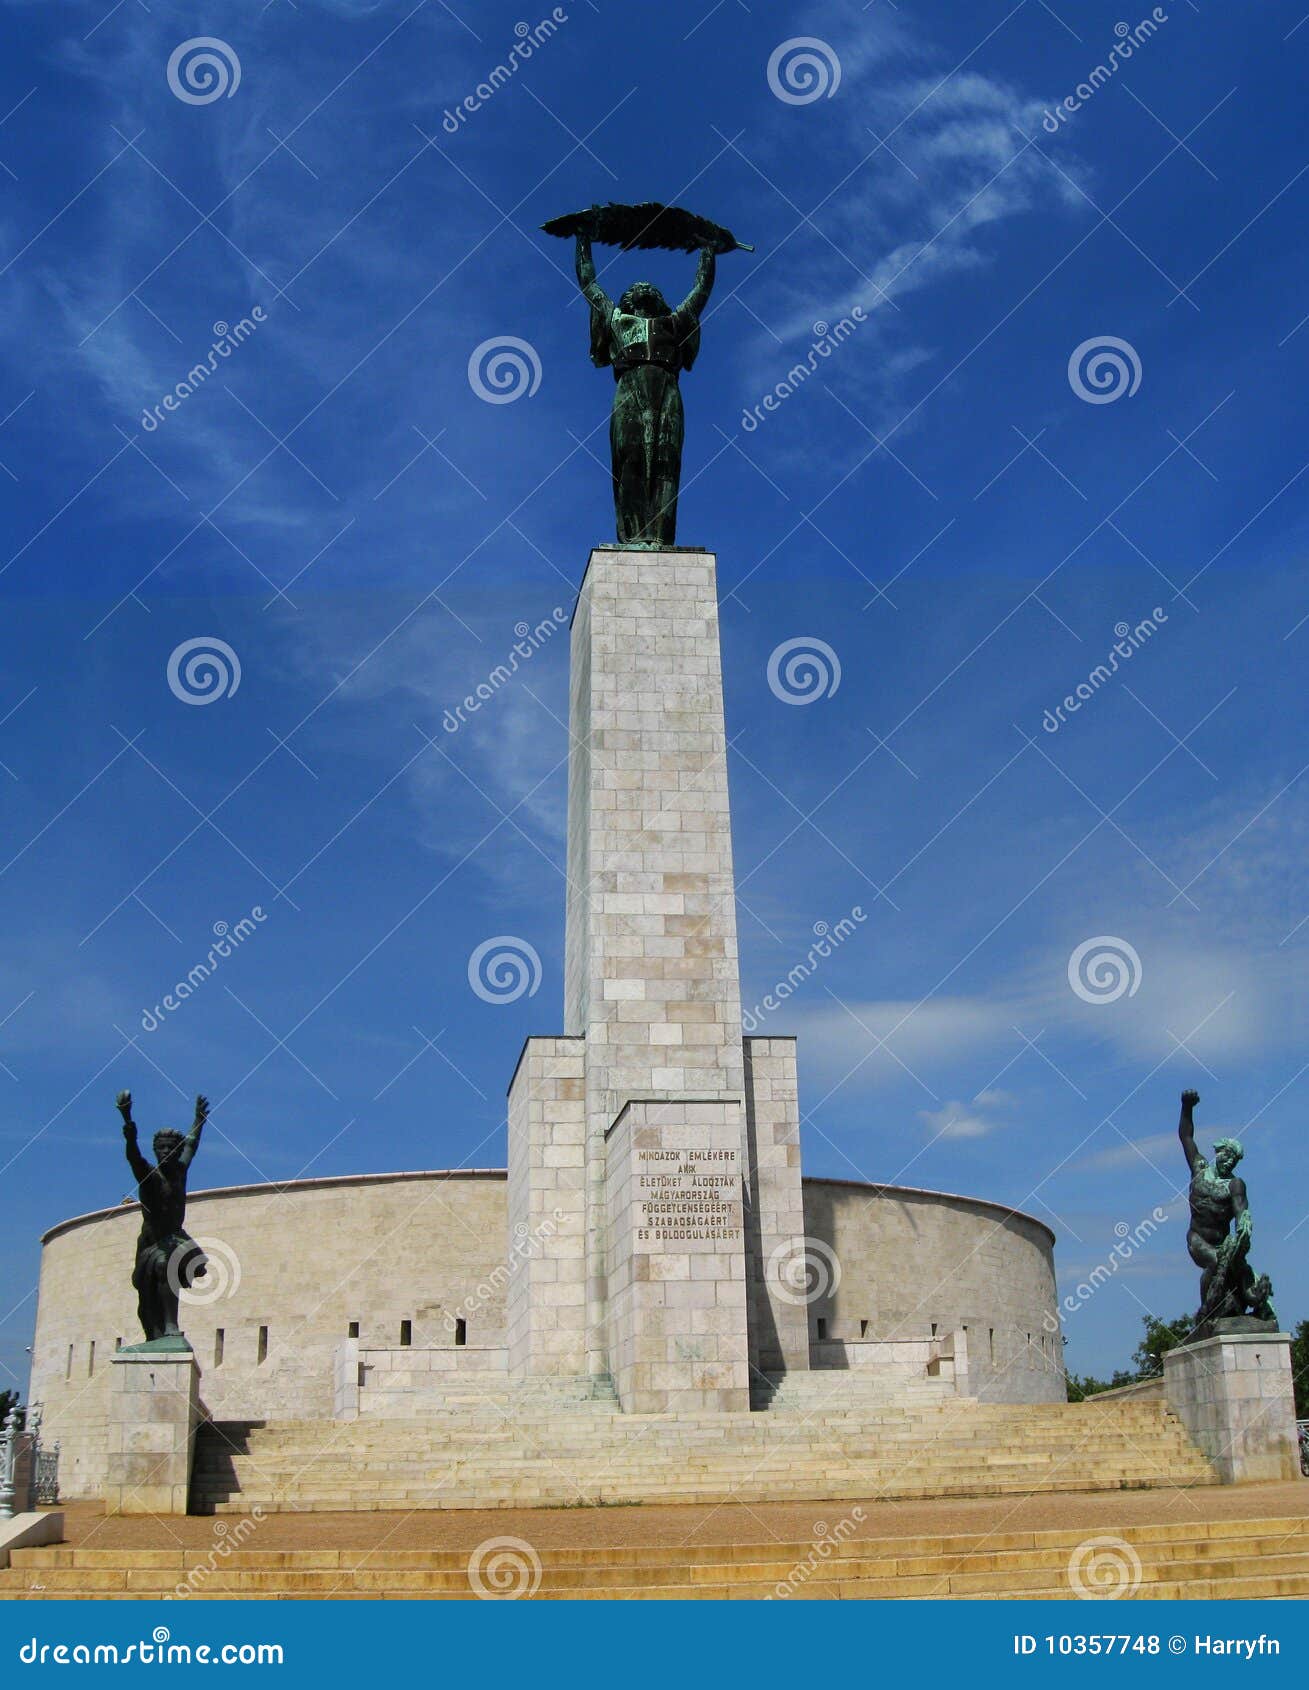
(647, 344)
(168, 1259)
(1219, 1237)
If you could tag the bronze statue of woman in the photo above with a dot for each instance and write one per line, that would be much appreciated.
(648, 345)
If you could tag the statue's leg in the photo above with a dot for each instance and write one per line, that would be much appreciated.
(168, 1277)
(148, 1310)
(168, 1299)
(1205, 1257)
(629, 450)
(667, 451)
(616, 453)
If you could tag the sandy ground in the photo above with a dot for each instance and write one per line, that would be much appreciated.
(570, 1528)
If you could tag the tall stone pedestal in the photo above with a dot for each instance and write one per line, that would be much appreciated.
(678, 1335)
(154, 1409)
(1234, 1395)
(652, 1079)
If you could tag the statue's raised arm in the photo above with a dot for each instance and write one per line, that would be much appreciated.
(186, 1155)
(1186, 1130)
(595, 295)
(694, 303)
(135, 1160)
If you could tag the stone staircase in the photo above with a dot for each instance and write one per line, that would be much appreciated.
(1193, 1560)
(823, 1388)
(509, 1448)
(401, 1395)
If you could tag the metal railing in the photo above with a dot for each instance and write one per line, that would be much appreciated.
(45, 1462)
(25, 1459)
(9, 1436)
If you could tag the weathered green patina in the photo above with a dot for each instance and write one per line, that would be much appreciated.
(647, 344)
(1232, 1296)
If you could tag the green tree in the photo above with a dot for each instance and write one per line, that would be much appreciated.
(1300, 1369)
(8, 1400)
(1087, 1385)
(1160, 1337)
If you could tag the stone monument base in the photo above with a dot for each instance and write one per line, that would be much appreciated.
(1227, 1324)
(154, 1409)
(1233, 1392)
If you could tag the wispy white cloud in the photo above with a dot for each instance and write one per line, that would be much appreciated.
(940, 161)
(966, 1120)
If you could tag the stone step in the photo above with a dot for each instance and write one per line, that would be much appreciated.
(657, 1450)
(1176, 1540)
(325, 1502)
(361, 1474)
(1219, 1561)
(854, 1578)
(612, 1462)
(963, 1448)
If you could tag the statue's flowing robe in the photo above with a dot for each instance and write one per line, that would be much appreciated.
(646, 427)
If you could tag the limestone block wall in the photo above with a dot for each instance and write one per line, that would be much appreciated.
(651, 967)
(1235, 1395)
(296, 1267)
(774, 1224)
(678, 1330)
(919, 1263)
(318, 1256)
(545, 1274)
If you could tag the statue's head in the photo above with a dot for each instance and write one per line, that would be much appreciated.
(167, 1144)
(643, 299)
(1227, 1153)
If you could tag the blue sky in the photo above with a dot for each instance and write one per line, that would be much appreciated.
(937, 504)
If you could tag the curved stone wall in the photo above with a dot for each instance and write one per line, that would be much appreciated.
(914, 1262)
(405, 1258)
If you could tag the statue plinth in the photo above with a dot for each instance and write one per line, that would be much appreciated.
(654, 1164)
(1227, 1324)
(154, 1410)
(1234, 1394)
